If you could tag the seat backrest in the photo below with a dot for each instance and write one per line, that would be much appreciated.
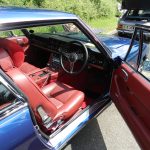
(6, 62)
(15, 51)
(33, 92)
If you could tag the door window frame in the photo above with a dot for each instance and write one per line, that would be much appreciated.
(141, 29)
(12, 108)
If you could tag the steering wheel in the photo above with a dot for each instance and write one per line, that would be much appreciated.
(73, 53)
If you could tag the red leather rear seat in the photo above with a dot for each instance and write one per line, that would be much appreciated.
(12, 55)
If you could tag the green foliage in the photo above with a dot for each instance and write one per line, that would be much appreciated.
(22, 3)
(104, 24)
(120, 1)
(86, 9)
(106, 8)
(83, 8)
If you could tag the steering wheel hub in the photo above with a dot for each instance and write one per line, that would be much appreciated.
(73, 57)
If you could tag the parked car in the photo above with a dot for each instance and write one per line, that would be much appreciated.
(56, 75)
(127, 22)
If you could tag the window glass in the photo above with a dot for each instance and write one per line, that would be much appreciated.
(48, 29)
(144, 67)
(6, 97)
(132, 58)
(17, 33)
(5, 34)
(140, 14)
(68, 30)
(52, 29)
(133, 55)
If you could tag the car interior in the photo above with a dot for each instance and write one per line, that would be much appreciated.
(59, 70)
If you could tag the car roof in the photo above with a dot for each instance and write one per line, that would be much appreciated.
(17, 14)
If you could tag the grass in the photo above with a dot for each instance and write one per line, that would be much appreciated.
(104, 24)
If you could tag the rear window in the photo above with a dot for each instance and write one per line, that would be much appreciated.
(138, 14)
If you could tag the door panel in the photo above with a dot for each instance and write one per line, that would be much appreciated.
(131, 94)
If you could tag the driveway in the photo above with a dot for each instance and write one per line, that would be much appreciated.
(107, 132)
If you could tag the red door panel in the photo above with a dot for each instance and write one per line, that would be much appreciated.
(131, 94)
(23, 41)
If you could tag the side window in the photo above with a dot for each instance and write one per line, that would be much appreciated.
(17, 33)
(8, 34)
(144, 67)
(52, 29)
(47, 29)
(5, 34)
(140, 61)
(6, 97)
(133, 55)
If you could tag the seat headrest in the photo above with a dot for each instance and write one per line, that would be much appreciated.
(15, 51)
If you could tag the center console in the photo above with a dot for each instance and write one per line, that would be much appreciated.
(48, 74)
(44, 76)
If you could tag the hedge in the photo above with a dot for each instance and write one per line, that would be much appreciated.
(86, 9)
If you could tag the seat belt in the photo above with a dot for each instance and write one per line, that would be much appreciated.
(47, 121)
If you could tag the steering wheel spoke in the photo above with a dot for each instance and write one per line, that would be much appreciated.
(71, 67)
(67, 55)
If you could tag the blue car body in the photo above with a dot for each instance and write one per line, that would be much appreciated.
(20, 122)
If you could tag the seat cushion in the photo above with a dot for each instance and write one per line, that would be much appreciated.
(66, 99)
(28, 68)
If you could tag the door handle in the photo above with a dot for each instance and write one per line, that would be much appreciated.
(124, 74)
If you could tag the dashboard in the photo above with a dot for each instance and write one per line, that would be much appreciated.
(53, 43)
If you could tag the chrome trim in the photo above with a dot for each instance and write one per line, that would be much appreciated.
(58, 141)
(17, 106)
(9, 87)
(10, 112)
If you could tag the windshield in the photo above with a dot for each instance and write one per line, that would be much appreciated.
(64, 30)
(68, 30)
(139, 14)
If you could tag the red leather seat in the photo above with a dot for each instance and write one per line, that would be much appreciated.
(12, 55)
(57, 99)
(65, 98)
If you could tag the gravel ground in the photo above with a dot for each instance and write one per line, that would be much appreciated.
(107, 132)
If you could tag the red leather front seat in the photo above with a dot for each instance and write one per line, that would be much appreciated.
(57, 99)
(66, 99)
(12, 55)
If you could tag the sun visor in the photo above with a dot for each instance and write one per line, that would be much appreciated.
(135, 4)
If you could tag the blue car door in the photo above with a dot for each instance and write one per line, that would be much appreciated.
(16, 126)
